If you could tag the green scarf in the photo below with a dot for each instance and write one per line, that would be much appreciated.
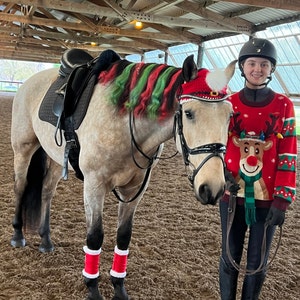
(250, 215)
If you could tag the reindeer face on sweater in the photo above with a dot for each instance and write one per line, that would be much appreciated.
(252, 146)
(251, 151)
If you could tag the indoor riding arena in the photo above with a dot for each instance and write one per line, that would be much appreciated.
(174, 251)
(176, 241)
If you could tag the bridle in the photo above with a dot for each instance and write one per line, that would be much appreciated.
(213, 149)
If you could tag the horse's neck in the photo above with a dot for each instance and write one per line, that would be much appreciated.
(153, 133)
(146, 132)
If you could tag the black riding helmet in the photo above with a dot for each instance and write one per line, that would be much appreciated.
(257, 47)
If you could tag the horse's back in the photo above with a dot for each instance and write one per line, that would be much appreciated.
(26, 105)
(31, 93)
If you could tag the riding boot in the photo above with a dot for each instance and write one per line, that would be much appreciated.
(228, 281)
(252, 286)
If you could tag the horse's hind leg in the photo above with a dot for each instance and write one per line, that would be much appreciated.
(53, 175)
(24, 187)
(35, 183)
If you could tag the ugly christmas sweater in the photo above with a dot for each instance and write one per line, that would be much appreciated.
(262, 147)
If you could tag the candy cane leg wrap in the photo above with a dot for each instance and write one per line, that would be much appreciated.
(119, 264)
(91, 264)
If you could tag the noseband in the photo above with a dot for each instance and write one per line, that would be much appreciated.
(213, 149)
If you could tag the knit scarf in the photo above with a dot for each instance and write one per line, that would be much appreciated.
(250, 215)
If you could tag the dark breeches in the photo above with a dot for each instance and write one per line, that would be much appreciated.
(228, 274)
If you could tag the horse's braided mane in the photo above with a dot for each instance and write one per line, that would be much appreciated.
(147, 89)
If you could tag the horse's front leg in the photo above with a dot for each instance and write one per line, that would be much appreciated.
(119, 265)
(125, 223)
(92, 251)
(94, 194)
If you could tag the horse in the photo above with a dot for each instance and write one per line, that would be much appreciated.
(134, 109)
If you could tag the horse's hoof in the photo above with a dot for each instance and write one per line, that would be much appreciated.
(95, 298)
(18, 240)
(119, 288)
(46, 249)
(46, 244)
(20, 243)
(95, 295)
(92, 285)
(120, 298)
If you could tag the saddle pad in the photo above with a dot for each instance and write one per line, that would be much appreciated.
(46, 109)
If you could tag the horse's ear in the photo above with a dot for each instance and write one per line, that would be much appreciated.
(189, 69)
(229, 71)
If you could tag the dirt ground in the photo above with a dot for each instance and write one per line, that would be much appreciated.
(174, 251)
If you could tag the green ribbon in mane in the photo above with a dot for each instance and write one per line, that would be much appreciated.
(250, 215)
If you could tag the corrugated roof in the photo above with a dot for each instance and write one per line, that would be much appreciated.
(219, 52)
(42, 30)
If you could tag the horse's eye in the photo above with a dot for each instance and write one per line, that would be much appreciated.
(189, 114)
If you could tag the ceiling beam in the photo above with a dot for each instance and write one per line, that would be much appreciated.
(110, 30)
(128, 15)
(36, 27)
(102, 43)
(56, 37)
(293, 18)
(293, 5)
(230, 24)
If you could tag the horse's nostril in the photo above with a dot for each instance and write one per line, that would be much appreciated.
(205, 194)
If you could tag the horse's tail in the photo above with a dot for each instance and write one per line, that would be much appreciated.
(32, 197)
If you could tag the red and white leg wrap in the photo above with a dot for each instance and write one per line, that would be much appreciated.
(119, 264)
(91, 264)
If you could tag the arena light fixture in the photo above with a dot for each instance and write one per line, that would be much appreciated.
(138, 25)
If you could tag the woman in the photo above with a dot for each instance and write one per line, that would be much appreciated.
(261, 161)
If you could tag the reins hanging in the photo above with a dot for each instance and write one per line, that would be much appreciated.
(135, 145)
(230, 217)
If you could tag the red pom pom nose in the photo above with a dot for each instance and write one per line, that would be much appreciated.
(252, 161)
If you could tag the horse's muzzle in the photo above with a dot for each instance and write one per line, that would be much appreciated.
(206, 196)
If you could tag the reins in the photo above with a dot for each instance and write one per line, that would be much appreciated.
(135, 145)
(230, 217)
